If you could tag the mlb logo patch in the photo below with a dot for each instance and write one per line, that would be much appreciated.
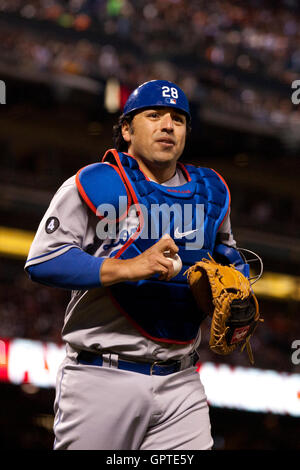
(171, 100)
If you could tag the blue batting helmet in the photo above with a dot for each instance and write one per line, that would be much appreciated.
(157, 93)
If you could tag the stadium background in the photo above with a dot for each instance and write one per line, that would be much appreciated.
(68, 66)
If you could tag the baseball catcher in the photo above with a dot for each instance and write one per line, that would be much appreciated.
(225, 294)
(129, 380)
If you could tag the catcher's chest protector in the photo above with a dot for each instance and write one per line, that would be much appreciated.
(163, 311)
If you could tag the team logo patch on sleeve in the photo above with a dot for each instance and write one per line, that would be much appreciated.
(52, 224)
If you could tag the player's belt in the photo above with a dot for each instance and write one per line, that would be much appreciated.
(148, 368)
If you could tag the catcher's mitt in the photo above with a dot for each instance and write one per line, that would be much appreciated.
(225, 293)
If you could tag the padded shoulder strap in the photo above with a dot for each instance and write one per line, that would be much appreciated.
(218, 193)
(102, 183)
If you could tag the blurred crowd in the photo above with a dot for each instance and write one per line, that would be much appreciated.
(264, 211)
(237, 57)
(30, 310)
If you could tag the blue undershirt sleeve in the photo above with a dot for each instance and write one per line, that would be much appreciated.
(75, 270)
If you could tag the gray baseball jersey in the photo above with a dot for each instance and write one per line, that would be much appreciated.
(93, 322)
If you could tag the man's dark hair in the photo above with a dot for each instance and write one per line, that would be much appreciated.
(119, 143)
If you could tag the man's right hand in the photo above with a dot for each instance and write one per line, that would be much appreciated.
(147, 264)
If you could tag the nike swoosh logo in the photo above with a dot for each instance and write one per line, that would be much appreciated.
(177, 234)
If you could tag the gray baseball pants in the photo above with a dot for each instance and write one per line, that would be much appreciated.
(104, 408)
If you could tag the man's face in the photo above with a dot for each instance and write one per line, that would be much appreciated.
(156, 136)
